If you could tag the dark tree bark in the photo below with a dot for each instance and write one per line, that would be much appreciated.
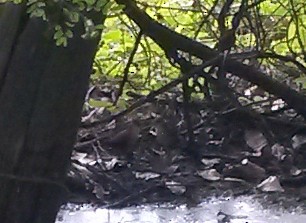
(42, 89)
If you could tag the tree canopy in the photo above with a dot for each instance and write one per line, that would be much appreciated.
(268, 35)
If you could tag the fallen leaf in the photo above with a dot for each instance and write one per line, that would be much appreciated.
(255, 139)
(298, 141)
(211, 175)
(176, 187)
(146, 176)
(271, 184)
(210, 162)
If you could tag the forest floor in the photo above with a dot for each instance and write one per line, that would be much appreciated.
(217, 150)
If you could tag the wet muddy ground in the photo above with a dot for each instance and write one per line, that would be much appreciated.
(242, 209)
(154, 154)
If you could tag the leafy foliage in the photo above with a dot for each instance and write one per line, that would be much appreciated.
(274, 27)
(277, 27)
(62, 15)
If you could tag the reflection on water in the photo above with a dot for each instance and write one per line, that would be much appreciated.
(237, 210)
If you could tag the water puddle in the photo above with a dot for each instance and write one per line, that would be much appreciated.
(234, 210)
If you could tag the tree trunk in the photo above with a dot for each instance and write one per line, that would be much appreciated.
(42, 88)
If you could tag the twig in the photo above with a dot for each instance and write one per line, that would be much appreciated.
(128, 65)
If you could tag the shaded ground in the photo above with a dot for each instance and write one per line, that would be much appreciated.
(232, 151)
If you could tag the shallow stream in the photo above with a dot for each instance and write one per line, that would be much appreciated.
(244, 209)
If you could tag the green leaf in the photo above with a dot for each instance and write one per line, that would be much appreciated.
(38, 13)
(122, 103)
(61, 41)
(74, 16)
(90, 2)
(100, 26)
(100, 104)
(118, 8)
(69, 33)
(40, 4)
(113, 35)
(101, 3)
(58, 34)
(31, 8)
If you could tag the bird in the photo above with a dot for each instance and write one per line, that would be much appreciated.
(124, 142)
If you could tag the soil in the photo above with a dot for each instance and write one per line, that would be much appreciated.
(219, 149)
